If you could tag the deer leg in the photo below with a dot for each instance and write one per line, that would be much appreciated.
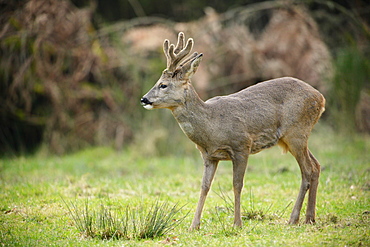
(210, 167)
(303, 160)
(239, 167)
(311, 205)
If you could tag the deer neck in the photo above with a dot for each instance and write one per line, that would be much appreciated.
(191, 113)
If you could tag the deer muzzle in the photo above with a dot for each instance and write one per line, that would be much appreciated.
(146, 103)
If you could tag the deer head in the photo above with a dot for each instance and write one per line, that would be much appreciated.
(168, 92)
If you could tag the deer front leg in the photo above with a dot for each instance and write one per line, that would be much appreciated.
(210, 167)
(239, 167)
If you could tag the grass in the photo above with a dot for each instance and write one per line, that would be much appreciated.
(108, 182)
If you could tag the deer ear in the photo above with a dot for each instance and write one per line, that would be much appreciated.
(191, 67)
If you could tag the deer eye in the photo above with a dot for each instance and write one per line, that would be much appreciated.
(162, 86)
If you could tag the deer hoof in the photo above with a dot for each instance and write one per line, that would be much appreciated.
(194, 228)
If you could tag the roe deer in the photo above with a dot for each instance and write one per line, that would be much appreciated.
(280, 111)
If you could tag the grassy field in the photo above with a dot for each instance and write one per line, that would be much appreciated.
(33, 188)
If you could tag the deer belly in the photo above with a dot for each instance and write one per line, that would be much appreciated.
(264, 141)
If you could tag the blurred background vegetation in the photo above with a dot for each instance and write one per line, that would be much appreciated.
(72, 72)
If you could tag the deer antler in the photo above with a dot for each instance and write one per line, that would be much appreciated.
(176, 54)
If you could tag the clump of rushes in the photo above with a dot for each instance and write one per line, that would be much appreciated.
(130, 222)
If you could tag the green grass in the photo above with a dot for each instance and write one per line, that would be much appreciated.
(33, 189)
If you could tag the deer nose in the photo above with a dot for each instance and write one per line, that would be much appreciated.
(145, 101)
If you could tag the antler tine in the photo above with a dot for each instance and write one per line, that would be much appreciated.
(195, 54)
(174, 54)
(166, 45)
(180, 43)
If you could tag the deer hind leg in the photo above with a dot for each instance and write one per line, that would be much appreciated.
(311, 206)
(239, 167)
(210, 167)
(309, 180)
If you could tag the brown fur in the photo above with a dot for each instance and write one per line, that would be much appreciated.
(280, 111)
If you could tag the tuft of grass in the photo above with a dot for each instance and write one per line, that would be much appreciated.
(252, 213)
(140, 222)
(256, 213)
(159, 220)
